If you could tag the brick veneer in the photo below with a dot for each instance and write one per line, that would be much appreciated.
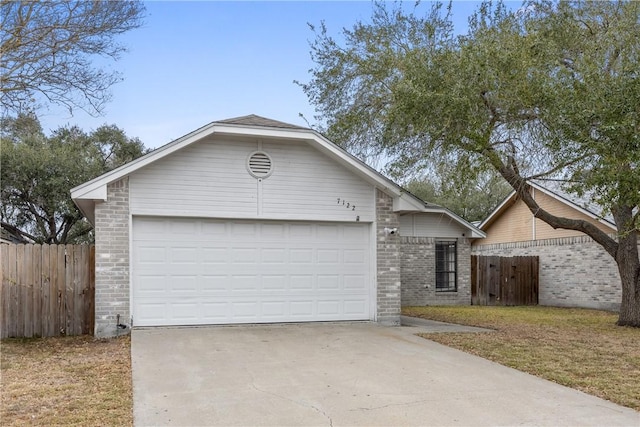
(388, 261)
(112, 260)
(574, 271)
(418, 273)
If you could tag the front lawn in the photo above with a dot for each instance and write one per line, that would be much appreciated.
(66, 381)
(579, 348)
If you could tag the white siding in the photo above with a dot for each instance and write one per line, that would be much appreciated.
(430, 225)
(210, 179)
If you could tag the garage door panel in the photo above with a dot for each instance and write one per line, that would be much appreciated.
(355, 306)
(214, 256)
(301, 256)
(214, 284)
(354, 282)
(183, 255)
(328, 308)
(275, 283)
(185, 312)
(274, 256)
(150, 284)
(151, 254)
(200, 271)
(301, 282)
(354, 256)
(215, 312)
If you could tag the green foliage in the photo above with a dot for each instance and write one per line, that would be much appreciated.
(549, 90)
(38, 172)
(472, 199)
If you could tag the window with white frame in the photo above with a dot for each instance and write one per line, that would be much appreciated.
(446, 263)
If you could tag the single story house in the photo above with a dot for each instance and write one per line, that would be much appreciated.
(252, 220)
(575, 271)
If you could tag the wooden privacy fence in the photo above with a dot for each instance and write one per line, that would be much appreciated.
(47, 290)
(504, 280)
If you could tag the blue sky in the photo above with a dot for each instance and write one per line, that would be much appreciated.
(196, 62)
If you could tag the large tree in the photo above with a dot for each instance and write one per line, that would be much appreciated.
(473, 199)
(38, 171)
(550, 90)
(48, 51)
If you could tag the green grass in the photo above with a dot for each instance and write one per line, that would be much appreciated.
(579, 348)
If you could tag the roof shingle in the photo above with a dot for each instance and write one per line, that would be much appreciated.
(254, 120)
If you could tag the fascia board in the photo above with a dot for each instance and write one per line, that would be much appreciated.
(574, 206)
(359, 167)
(96, 193)
(402, 201)
(124, 170)
(497, 210)
(405, 202)
(476, 233)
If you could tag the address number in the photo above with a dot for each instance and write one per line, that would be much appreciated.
(346, 204)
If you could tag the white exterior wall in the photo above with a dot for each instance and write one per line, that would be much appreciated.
(210, 179)
(430, 225)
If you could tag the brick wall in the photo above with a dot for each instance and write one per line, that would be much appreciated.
(418, 273)
(574, 271)
(112, 260)
(388, 261)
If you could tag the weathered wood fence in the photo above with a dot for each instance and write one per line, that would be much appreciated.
(504, 280)
(47, 290)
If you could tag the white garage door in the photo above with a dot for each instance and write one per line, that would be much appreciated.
(203, 271)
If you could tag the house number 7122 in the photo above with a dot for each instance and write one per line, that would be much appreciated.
(346, 204)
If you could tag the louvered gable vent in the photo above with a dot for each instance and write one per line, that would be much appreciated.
(259, 164)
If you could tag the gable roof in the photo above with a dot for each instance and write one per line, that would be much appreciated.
(253, 120)
(553, 189)
(86, 195)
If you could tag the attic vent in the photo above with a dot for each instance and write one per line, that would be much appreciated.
(259, 164)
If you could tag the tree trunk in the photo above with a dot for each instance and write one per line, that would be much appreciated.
(629, 268)
(624, 251)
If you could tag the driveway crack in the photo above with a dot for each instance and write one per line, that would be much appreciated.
(297, 402)
(373, 408)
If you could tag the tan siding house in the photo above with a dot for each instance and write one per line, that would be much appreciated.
(575, 271)
(512, 221)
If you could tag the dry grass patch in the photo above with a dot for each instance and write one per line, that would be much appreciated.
(579, 348)
(66, 381)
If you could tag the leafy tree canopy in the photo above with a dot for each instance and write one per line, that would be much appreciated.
(472, 199)
(38, 171)
(548, 91)
(47, 48)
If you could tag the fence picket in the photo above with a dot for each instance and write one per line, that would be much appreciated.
(46, 290)
(36, 297)
(504, 280)
(61, 290)
(45, 316)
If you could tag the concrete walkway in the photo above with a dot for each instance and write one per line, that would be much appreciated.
(340, 374)
(433, 326)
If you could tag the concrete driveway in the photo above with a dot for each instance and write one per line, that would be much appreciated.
(340, 374)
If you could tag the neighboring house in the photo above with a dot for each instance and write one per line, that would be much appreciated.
(575, 271)
(10, 234)
(251, 220)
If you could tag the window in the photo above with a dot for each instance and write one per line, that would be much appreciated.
(446, 261)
